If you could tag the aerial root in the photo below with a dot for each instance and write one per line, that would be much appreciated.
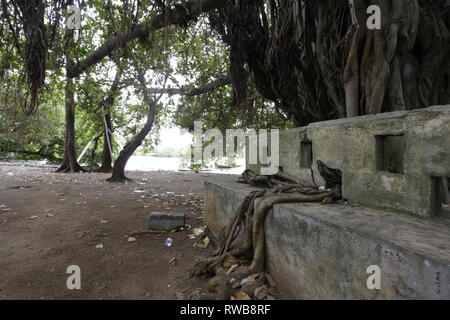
(244, 234)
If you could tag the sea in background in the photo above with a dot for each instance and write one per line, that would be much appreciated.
(152, 163)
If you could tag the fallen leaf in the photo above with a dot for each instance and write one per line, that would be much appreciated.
(232, 268)
(172, 260)
(327, 200)
(180, 296)
(132, 239)
(241, 295)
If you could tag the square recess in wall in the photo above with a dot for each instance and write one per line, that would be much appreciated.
(306, 155)
(441, 196)
(390, 150)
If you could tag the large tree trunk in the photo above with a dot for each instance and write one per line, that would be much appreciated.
(106, 165)
(401, 66)
(106, 107)
(70, 163)
(121, 161)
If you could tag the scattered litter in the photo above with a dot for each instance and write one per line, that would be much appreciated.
(33, 217)
(10, 174)
(169, 242)
(99, 246)
(247, 280)
(139, 191)
(322, 188)
(197, 232)
(7, 209)
(186, 227)
(206, 241)
(132, 239)
(49, 215)
(104, 221)
(113, 206)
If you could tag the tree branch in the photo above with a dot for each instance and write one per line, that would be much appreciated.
(218, 83)
(179, 14)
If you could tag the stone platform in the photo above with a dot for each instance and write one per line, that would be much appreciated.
(317, 251)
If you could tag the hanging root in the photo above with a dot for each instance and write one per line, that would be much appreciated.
(244, 235)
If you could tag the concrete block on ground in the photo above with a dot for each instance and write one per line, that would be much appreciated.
(165, 221)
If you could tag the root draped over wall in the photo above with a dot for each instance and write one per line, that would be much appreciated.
(249, 221)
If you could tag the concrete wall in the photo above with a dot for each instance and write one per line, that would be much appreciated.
(353, 145)
(319, 251)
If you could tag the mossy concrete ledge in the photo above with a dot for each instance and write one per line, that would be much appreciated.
(390, 161)
(317, 251)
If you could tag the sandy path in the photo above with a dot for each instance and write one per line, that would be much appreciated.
(76, 212)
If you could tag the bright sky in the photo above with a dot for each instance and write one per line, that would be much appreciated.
(174, 138)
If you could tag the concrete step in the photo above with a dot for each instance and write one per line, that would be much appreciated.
(317, 251)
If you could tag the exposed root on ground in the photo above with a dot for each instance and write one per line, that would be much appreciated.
(244, 238)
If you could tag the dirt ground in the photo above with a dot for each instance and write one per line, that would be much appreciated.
(49, 221)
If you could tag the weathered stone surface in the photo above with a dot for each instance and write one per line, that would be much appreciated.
(165, 220)
(326, 250)
(351, 145)
(293, 153)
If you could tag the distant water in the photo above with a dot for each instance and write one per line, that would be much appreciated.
(138, 163)
(150, 163)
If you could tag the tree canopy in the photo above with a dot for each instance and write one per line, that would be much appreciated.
(229, 63)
